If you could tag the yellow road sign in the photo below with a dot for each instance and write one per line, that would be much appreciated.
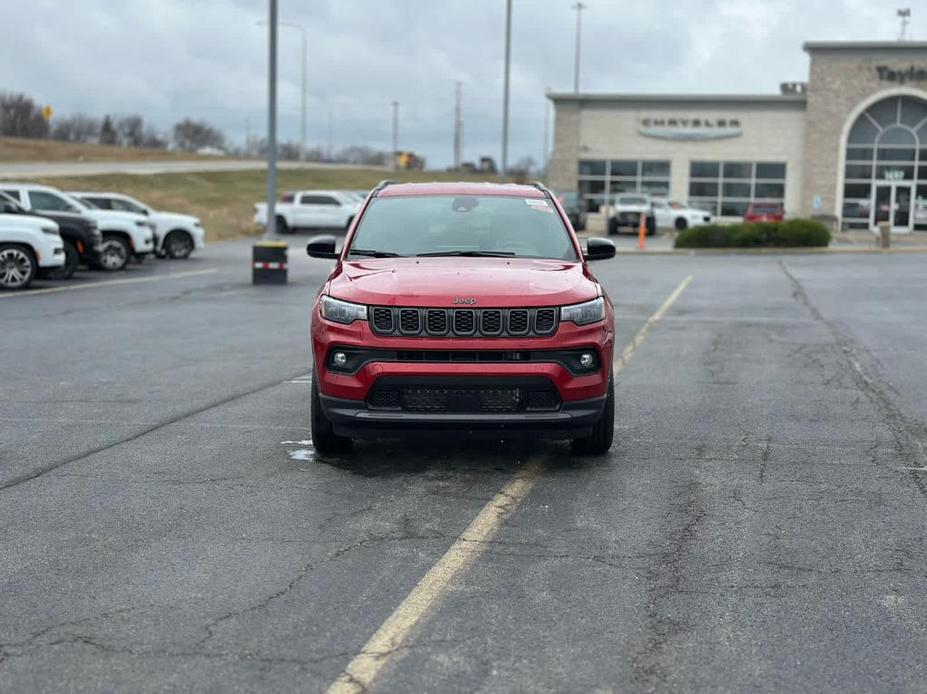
(47, 112)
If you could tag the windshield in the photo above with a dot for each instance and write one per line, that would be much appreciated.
(9, 205)
(463, 225)
(79, 203)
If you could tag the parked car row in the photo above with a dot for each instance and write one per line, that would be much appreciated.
(312, 209)
(660, 213)
(48, 232)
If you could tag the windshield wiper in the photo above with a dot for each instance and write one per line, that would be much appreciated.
(373, 254)
(467, 254)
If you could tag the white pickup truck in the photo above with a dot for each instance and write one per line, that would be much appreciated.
(661, 213)
(310, 209)
(124, 234)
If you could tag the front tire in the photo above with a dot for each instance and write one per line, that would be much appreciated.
(603, 433)
(71, 261)
(115, 253)
(324, 439)
(682, 224)
(612, 227)
(17, 266)
(178, 245)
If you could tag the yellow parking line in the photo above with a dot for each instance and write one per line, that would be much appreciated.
(108, 283)
(628, 352)
(363, 669)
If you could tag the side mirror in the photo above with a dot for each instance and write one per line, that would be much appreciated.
(322, 247)
(599, 249)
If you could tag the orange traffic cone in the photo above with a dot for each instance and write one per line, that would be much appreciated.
(642, 232)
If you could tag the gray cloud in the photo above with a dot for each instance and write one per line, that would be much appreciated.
(168, 59)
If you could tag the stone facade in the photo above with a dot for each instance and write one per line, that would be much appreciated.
(845, 78)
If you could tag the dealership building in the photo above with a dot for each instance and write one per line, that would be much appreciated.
(849, 146)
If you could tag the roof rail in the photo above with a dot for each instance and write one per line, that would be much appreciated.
(382, 184)
(541, 187)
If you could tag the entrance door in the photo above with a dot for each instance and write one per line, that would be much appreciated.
(892, 202)
(901, 208)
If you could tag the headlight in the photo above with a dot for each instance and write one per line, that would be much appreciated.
(342, 311)
(52, 231)
(585, 313)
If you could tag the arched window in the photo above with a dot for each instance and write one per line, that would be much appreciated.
(885, 177)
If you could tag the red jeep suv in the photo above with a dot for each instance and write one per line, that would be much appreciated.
(462, 307)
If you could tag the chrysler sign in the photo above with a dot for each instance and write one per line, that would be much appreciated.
(685, 128)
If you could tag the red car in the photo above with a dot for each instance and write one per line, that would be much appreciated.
(764, 212)
(466, 307)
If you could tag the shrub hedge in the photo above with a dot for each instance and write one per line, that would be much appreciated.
(791, 233)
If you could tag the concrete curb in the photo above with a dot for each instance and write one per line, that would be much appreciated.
(775, 251)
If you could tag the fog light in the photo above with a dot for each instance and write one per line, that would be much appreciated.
(586, 360)
(339, 359)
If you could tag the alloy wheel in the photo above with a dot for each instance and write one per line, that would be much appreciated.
(15, 268)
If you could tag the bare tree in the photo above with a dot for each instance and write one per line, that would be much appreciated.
(191, 135)
(20, 116)
(153, 139)
(107, 132)
(130, 131)
(76, 128)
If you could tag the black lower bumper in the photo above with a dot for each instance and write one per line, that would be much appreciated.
(352, 418)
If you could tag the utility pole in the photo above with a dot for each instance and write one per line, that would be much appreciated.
(505, 94)
(331, 148)
(579, 7)
(546, 149)
(904, 14)
(395, 134)
(271, 122)
(302, 118)
(457, 126)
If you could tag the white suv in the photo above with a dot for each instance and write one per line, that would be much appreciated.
(124, 234)
(176, 235)
(27, 245)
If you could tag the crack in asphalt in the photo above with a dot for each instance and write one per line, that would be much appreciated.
(906, 432)
(665, 580)
(44, 470)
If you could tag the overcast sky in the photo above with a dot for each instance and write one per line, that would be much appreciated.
(168, 59)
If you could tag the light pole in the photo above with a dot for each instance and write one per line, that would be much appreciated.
(302, 35)
(579, 7)
(395, 105)
(505, 89)
(546, 148)
(270, 228)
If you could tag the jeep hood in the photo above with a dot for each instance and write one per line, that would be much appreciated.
(492, 282)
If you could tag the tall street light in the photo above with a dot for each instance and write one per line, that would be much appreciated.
(505, 89)
(271, 122)
(302, 34)
(579, 7)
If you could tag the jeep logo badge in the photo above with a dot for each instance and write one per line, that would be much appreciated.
(468, 302)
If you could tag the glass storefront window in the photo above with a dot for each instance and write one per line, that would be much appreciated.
(655, 168)
(624, 168)
(859, 153)
(729, 187)
(859, 171)
(704, 169)
(599, 177)
(738, 169)
(775, 171)
(769, 191)
(591, 167)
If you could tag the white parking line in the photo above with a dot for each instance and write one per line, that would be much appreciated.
(108, 283)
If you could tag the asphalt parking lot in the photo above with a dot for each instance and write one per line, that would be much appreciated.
(759, 524)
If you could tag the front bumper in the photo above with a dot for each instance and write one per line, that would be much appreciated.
(353, 419)
(437, 363)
